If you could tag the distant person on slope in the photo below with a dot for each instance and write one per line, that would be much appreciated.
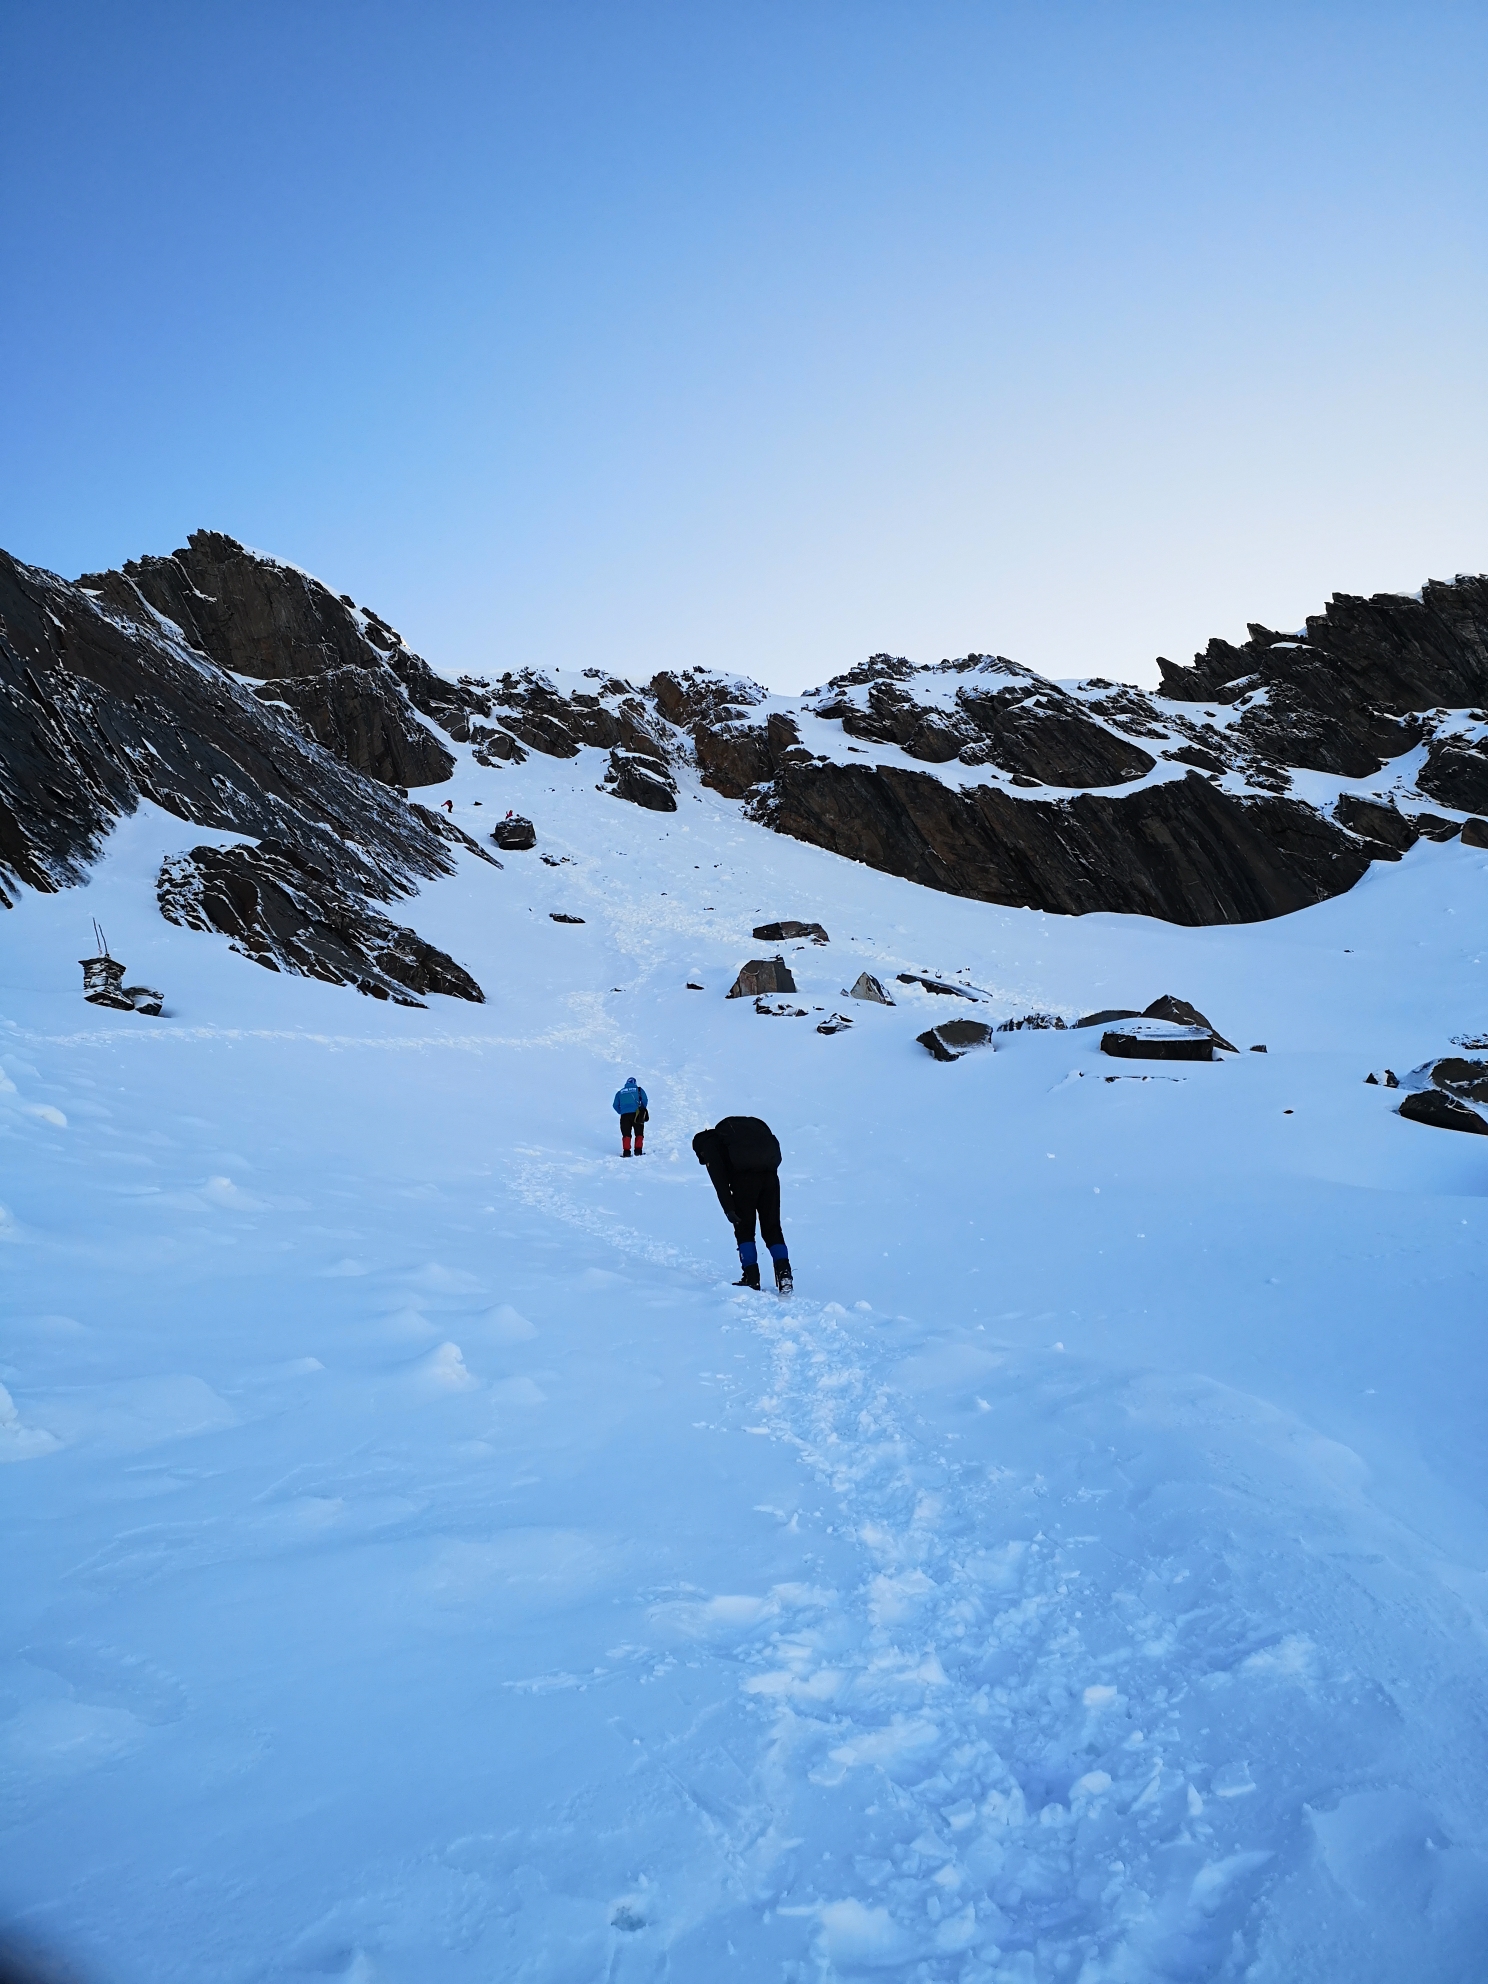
(743, 1160)
(630, 1107)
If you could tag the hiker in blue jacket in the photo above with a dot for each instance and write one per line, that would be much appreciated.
(630, 1107)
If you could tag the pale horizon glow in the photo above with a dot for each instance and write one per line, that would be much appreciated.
(757, 339)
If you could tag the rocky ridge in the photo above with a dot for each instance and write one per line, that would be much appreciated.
(1198, 804)
(239, 692)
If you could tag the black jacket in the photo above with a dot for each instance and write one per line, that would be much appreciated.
(738, 1143)
(744, 1143)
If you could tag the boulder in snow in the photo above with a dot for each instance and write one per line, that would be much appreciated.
(953, 1038)
(1475, 833)
(1108, 1013)
(145, 999)
(1180, 1013)
(1442, 1112)
(866, 986)
(835, 1023)
(762, 976)
(1158, 1040)
(1033, 1023)
(515, 834)
(778, 933)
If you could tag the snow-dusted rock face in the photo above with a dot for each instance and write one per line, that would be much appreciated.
(200, 678)
(289, 916)
(106, 702)
(1198, 805)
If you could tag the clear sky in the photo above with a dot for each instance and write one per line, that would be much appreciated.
(760, 336)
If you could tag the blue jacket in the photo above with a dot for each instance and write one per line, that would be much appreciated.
(629, 1098)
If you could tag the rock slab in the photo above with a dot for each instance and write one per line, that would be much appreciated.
(761, 977)
(1189, 1044)
(1443, 1112)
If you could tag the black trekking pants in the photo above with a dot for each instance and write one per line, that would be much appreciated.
(757, 1192)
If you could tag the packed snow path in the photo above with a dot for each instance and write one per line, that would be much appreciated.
(425, 1566)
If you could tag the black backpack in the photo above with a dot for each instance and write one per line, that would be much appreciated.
(750, 1143)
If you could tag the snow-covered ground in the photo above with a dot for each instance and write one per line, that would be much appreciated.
(422, 1565)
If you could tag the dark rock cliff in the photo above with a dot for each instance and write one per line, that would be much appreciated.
(1184, 851)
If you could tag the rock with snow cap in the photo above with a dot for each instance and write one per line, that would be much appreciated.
(953, 1038)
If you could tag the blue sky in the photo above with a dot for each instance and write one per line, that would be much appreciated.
(758, 336)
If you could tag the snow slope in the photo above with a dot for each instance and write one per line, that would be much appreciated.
(423, 1565)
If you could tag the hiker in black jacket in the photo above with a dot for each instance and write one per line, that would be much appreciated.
(743, 1160)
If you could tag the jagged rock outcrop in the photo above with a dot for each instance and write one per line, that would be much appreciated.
(1002, 715)
(1346, 692)
(102, 707)
(342, 670)
(643, 779)
(286, 913)
(1391, 833)
(1363, 683)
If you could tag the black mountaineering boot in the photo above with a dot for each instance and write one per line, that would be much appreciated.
(749, 1278)
(784, 1280)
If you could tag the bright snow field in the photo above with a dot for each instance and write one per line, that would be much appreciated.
(423, 1565)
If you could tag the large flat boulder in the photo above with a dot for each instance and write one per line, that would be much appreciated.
(1154, 1040)
(779, 933)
